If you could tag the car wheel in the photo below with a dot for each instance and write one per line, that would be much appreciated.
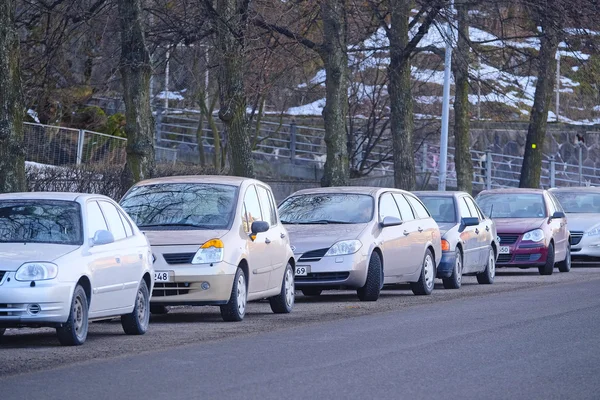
(548, 268)
(312, 292)
(372, 288)
(2, 330)
(424, 286)
(487, 276)
(75, 330)
(158, 309)
(565, 265)
(137, 322)
(455, 280)
(284, 301)
(235, 309)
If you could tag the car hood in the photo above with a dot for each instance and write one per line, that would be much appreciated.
(182, 237)
(305, 238)
(445, 227)
(13, 255)
(582, 222)
(518, 225)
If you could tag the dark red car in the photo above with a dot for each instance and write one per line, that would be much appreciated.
(532, 228)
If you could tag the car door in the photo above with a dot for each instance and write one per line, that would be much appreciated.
(559, 226)
(482, 232)
(396, 243)
(130, 267)
(410, 229)
(259, 257)
(276, 243)
(469, 236)
(425, 230)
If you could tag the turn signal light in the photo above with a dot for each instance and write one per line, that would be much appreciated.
(445, 245)
(217, 243)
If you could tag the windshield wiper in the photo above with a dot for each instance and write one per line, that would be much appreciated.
(322, 222)
(173, 224)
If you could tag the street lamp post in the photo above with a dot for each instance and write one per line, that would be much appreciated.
(446, 103)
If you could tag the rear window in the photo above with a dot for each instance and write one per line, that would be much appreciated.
(441, 208)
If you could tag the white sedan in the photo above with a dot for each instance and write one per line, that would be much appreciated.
(67, 259)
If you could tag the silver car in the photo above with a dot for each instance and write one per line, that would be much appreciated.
(68, 259)
(361, 238)
(582, 206)
(469, 242)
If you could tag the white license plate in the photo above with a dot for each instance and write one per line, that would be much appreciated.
(301, 270)
(161, 276)
(504, 250)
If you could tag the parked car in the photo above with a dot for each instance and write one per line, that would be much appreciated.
(532, 228)
(68, 259)
(216, 240)
(361, 238)
(469, 244)
(582, 206)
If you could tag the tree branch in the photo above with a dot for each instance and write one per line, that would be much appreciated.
(288, 33)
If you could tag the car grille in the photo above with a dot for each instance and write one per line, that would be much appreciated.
(313, 255)
(179, 258)
(504, 258)
(585, 259)
(323, 276)
(527, 257)
(507, 238)
(170, 289)
(576, 237)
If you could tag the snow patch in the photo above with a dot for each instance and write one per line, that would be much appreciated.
(170, 95)
(314, 108)
(33, 115)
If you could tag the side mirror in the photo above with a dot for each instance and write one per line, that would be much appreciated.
(470, 221)
(390, 221)
(259, 227)
(558, 214)
(102, 237)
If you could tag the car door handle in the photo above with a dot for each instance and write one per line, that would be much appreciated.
(118, 260)
(406, 233)
(282, 235)
(420, 229)
(487, 228)
(477, 231)
(267, 241)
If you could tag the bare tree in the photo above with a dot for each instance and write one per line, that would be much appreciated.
(136, 70)
(12, 159)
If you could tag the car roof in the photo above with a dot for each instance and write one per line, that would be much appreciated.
(367, 190)
(513, 190)
(576, 189)
(65, 196)
(216, 179)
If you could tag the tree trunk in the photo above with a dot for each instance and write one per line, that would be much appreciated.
(231, 28)
(462, 136)
(335, 113)
(12, 154)
(401, 118)
(136, 69)
(538, 120)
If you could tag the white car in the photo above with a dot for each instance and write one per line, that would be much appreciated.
(67, 259)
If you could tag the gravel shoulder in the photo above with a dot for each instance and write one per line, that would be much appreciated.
(26, 350)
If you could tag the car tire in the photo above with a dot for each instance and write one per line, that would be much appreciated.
(235, 309)
(487, 276)
(312, 292)
(455, 280)
(565, 265)
(424, 286)
(548, 268)
(283, 303)
(2, 330)
(158, 309)
(136, 323)
(75, 330)
(372, 288)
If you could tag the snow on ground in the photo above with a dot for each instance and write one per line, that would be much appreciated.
(170, 95)
(33, 115)
(314, 108)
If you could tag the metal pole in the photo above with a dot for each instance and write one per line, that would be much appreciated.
(80, 141)
(488, 170)
(558, 86)
(293, 142)
(424, 160)
(446, 105)
(580, 165)
(167, 81)
(552, 172)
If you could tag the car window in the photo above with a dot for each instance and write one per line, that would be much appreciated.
(512, 205)
(419, 208)
(463, 208)
(441, 208)
(273, 207)
(557, 204)
(266, 206)
(95, 219)
(578, 202)
(406, 213)
(388, 207)
(472, 207)
(126, 224)
(114, 220)
(553, 204)
(253, 212)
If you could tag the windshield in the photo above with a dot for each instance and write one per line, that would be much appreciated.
(327, 208)
(40, 221)
(181, 205)
(441, 208)
(577, 202)
(512, 205)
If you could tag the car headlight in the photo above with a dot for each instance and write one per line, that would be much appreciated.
(344, 247)
(536, 235)
(37, 271)
(209, 253)
(594, 232)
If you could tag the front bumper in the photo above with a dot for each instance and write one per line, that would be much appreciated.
(349, 271)
(523, 254)
(586, 251)
(48, 303)
(191, 284)
(447, 263)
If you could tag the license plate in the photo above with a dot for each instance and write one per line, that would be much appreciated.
(301, 270)
(504, 250)
(161, 276)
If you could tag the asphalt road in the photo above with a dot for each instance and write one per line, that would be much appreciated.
(526, 336)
